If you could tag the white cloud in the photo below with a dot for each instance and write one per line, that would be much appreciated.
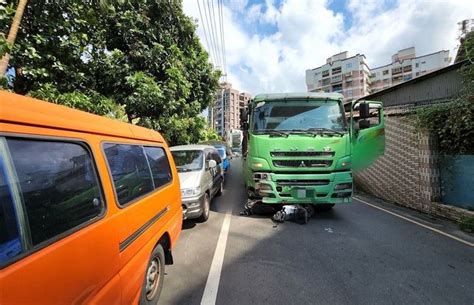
(308, 32)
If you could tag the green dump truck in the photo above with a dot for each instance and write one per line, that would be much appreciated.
(302, 148)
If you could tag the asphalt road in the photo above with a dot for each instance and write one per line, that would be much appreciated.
(355, 254)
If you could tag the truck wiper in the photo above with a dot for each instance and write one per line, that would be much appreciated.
(277, 133)
(325, 130)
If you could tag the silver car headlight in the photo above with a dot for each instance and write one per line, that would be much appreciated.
(190, 192)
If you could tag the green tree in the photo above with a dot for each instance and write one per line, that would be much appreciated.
(10, 40)
(142, 55)
(453, 123)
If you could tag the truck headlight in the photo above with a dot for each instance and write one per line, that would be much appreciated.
(343, 186)
(189, 192)
(261, 176)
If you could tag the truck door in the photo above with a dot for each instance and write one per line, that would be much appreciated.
(367, 133)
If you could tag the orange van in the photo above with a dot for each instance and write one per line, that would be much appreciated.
(90, 208)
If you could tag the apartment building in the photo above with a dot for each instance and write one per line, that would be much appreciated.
(352, 77)
(406, 66)
(347, 75)
(224, 116)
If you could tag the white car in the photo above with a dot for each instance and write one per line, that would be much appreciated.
(201, 177)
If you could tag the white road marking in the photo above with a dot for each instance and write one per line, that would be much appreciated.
(418, 223)
(210, 291)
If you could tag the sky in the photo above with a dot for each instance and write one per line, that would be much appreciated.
(271, 43)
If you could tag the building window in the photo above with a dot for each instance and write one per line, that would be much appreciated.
(337, 78)
(417, 73)
(384, 72)
(325, 73)
(349, 65)
(417, 65)
(396, 70)
(336, 70)
(407, 68)
(325, 81)
(373, 75)
(337, 88)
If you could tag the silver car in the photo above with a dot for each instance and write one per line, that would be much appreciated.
(201, 177)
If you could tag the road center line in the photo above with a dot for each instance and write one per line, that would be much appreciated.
(210, 291)
(417, 223)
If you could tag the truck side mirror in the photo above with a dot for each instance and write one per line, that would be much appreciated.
(243, 117)
(364, 111)
(363, 124)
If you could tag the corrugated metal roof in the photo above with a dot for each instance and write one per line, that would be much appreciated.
(436, 87)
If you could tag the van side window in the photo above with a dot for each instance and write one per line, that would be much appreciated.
(159, 164)
(10, 244)
(130, 172)
(58, 184)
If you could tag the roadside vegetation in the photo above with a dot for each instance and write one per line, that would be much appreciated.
(136, 61)
(453, 123)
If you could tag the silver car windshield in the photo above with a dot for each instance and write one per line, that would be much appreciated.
(188, 160)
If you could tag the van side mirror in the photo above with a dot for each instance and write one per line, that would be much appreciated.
(211, 164)
(364, 111)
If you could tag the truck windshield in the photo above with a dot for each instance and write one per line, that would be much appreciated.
(298, 116)
(188, 160)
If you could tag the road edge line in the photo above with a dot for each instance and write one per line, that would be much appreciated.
(209, 296)
(417, 223)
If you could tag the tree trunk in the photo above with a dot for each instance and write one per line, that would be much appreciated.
(12, 34)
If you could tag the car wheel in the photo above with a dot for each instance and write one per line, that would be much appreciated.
(154, 276)
(206, 205)
(221, 188)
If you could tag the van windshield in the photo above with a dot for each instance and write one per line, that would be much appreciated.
(188, 160)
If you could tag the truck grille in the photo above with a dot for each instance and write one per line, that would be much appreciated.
(302, 153)
(297, 182)
(302, 163)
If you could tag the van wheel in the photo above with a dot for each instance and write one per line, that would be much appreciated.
(206, 205)
(154, 276)
(221, 188)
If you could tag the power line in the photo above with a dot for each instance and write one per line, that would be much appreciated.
(204, 29)
(216, 32)
(221, 21)
(213, 37)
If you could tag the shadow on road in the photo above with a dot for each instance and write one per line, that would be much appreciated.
(189, 224)
(350, 255)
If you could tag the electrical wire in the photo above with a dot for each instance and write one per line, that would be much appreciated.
(204, 30)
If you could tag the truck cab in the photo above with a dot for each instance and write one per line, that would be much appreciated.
(300, 147)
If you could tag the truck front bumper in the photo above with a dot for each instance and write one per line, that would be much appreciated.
(331, 188)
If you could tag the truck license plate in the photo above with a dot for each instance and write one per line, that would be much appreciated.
(301, 193)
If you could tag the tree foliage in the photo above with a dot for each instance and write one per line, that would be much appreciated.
(453, 123)
(140, 56)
